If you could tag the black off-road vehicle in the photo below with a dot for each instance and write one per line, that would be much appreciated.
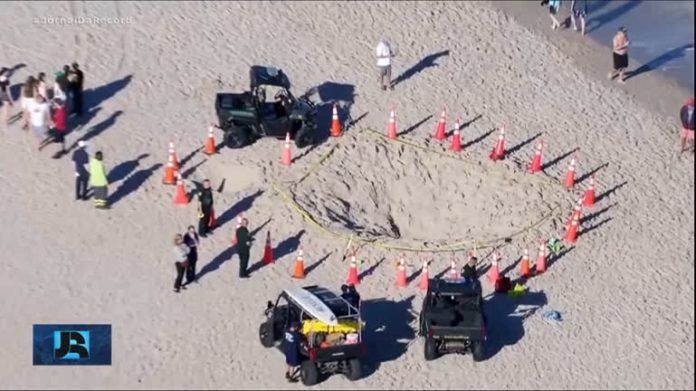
(452, 318)
(247, 116)
(331, 328)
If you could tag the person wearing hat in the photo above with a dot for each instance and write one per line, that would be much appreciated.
(620, 55)
(686, 114)
(81, 159)
(60, 87)
(99, 181)
(291, 349)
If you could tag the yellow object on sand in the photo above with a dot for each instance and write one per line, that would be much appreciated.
(518, 291)
(315, 326)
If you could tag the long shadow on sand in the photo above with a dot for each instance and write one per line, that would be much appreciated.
(132, 183)
(596, 21)
(98, 129)
(242, 206)
(288, 245)
(427, 62)
(505, 318)
(124, 169)
(661, 60)
(328, 93)
(388, 330)
(95, 96)
(227, 254)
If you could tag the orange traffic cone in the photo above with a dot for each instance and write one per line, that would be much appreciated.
(572, 234)
(536, 161)
(570, 175)
(335, 124)
(524, 267)
(541, 259)
(590, 194)
(172, 153)
(212, 222)
(498, 152)
(577, 211)
(170, 172)
(353, 277)
(401, 276)
(210, 143)
(299, 266)
(453, 274)
(440, 133)
(494, 274)
(181, 197)
(268, 250)
(287, 151)
(424, 277)
(456, 138)
(391, 128)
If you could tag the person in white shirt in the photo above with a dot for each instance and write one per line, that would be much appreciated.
(40, 118)
(384, 57)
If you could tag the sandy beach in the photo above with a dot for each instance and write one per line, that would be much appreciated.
(625, 290)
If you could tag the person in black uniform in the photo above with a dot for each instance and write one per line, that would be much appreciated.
(243, 246)
(206, 208)
(76, 86)
(291, 349)
(191, 240)
(81, 159)
(350, 294)
(469, 270)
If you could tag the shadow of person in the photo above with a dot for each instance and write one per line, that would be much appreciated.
(241, 206)
(505, 318)
(98, 129)
(122, 170)
(288, 245)
(663, 59)
(427, 62)
(388, 330)
(132, 183)
(96, 96)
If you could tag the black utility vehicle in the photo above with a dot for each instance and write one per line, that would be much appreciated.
(452, 318)
(247, 116)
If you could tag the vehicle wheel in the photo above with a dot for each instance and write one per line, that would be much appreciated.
(478, 351)
(354, 369)
(430, 349)
(237, 137)
(305, 137)
(266, 334)
(309, 373)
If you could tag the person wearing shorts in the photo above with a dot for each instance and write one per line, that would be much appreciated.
(554, 7)
(686, 115)
(384, 56)
(578, 10)
(620, 55)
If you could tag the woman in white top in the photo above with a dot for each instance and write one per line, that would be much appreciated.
(41, 87)
(28, 93)
(40, 117)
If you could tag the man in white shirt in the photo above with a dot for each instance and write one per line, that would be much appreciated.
(40, 118)
(384, 56)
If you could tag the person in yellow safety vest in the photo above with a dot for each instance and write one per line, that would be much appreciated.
(98, 180)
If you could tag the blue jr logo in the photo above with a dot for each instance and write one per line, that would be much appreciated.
(71, 345)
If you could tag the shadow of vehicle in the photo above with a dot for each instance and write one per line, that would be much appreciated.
(327, 94)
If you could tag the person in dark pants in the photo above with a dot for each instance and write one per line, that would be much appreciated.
(181, 252)
(243, 247)
(291, 349)
(206, 209)
(191, 240)
(686, 115)
(77, 85)
(81, 160)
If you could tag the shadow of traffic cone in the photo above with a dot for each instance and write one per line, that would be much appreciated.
(536, 160)
(268, 250)
(212, 222)
(541, 259)
(175, 158)
(210, 148)
(353, 277)
(498, 152)
(287, 151)
(456, 138)
(335, 124)
(453, 274)
(170, 172)
(570, 175)
(299, 266)
(590, 194)
(181, 197)
(391, 127)
(494, 274)
(401, 281)
(525, 270)
(440, 132)
(425, 278)
(572, 234)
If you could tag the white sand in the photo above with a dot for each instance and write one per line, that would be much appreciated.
(626, 290)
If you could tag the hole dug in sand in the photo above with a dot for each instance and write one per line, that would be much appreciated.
(390, 191)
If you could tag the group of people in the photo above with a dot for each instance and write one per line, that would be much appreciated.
(578, 13)
(186, 245)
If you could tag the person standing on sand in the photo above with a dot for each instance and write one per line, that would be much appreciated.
(60, 126)
(554, 6)
(81, 159)
(77, 88)
(27, 100)
(620, 55)
(578, 10)
(40, 118)
(181, 252)
(243, 247)
(5, 97)
(191, 240)
(384, 58)
(686, 114)
(99, 181)
(41, 87)
(205, 209)
(291, 350)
